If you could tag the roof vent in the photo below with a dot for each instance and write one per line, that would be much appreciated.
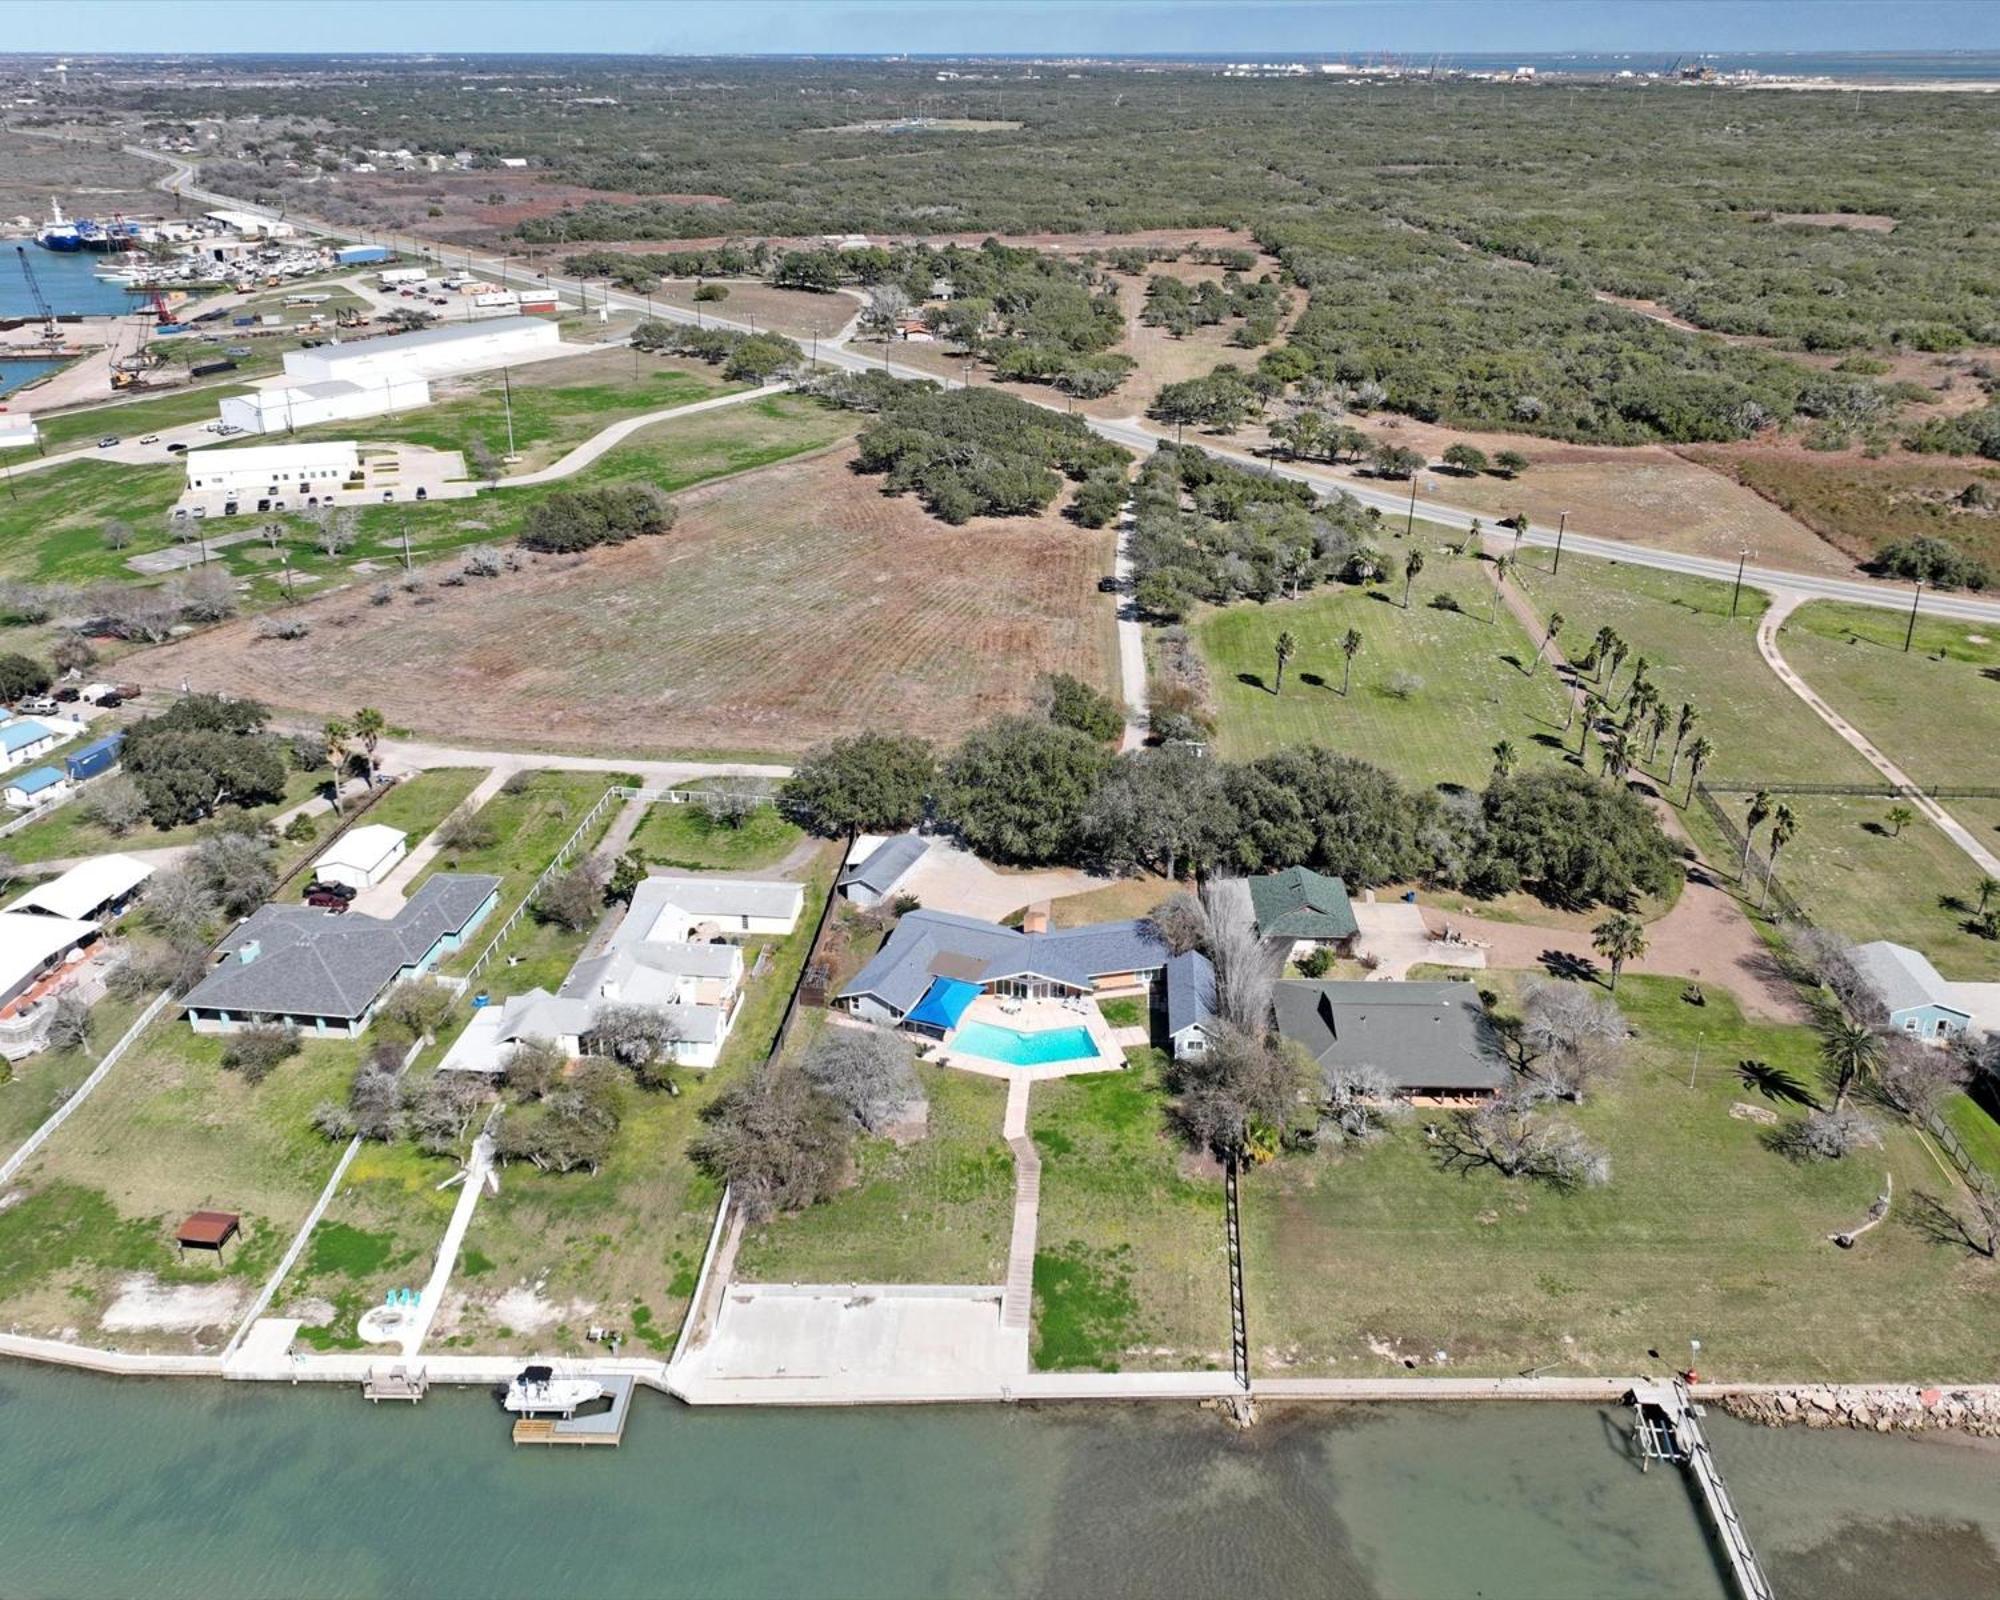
(249, 951)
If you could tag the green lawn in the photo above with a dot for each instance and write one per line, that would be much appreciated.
(1432, 690)
(556, 405)
(167, 1133)
(52, 522)
(689, 837)
(1934, 711)
(137, 418)
(937, 1210)
(1977, 1130)
(1355, 1261)
(1131, 1271)
(33, 1089)
(67, 831)
(416, 806)
(528, 821)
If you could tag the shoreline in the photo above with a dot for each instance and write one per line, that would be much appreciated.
(1971, 1410)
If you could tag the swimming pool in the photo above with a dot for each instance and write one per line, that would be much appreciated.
(1038, 1049)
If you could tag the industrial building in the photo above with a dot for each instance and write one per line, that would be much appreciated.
(306, 405)
(427, 353)
(289, 471)
(17, 430)
(250, 225)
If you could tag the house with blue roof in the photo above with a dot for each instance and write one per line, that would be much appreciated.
(24, 740)
(38, 786)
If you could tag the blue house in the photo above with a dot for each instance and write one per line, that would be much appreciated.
(1911, 990)
(21, 741)
(38, 786)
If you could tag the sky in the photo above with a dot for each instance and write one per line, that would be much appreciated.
(1099, 27)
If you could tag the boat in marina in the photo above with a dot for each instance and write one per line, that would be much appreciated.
(62, 234)
(59, 233)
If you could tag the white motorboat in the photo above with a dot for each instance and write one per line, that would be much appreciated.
(539, 1392)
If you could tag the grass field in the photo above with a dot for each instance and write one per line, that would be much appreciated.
(67, 831)
(169, 1132)
(689, 837)
(1130, 1267)
(622, 1246)
(556, 405)
(1934, 711)
(36, 1087)
(781, 610)
(52, 524)
(1432, 690)
(937, 1210)
(1357, 1261)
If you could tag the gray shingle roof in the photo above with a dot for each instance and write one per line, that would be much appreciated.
(1423, 1035)
(708, 897)
(311, 963)
(985, 952)
(1904, 979)
(1190, 991)
(887, 863)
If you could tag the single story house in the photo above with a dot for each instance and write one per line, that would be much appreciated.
(875, 866)
(1304, 908)
(678, 910)
(32, 947)
(1191, 1004)
(38, 786)
(661, 973)
(1911, 990)
(325, 973)
(24, 740)
(1433, 1040)
(362, 857)
(91, 891)
(936, 963)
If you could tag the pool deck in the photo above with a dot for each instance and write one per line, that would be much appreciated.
(1035, 1016)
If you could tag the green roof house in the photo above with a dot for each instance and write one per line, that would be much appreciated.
(1303, 906)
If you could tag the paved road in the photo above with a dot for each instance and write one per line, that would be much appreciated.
(1782, 606)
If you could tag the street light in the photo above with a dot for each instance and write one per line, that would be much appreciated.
(1562, 523)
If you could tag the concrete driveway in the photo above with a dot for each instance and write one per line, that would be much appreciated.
(1395, 934)
(950, 878)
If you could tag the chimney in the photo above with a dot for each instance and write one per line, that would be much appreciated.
(249, 951)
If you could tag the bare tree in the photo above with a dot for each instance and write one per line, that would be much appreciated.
(180, 904)
(71, 1024)
(639, 1037)
(533, 1067)
(1574, 1035)
(336, 531)
(1239, 1095)
(1361, 1103)
(1828, 1135)
(438, 1113)
(207, 594)
(1246, 969)
(775, 1140)
(465, 829)
(732, 804)
(574, 899)
(1518, 1140)
(1917, 1078)
(115, 805)
(888, 304)
(870, 1073)
(1178, 922)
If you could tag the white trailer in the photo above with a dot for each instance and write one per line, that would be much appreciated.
(391, 277)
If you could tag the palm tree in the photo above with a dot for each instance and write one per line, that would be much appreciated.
(1760, 808)
(1638, 685)
(1899, 818)
(1618, 755)
(1548, 638)
(1286, 647)
(1619, 939)
(1502, 565)
(1689, 720)
(1784, 823)
(1504, 758)
(336, 733)
(1600, 648)
(369, 726)
(1987, 887)
(1350, 647)
(1619, 651)
(1851, 1051)
(1657, 728)
(1413, 563)
(1700, 753)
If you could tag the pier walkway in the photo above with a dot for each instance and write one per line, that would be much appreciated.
(1675, 1407)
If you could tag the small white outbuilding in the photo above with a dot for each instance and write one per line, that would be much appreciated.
(362, 857)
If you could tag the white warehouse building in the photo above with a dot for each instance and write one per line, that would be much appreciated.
(305, 405)
(304, 470)
(427, 353)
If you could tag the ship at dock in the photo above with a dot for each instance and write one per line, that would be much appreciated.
(68, 236)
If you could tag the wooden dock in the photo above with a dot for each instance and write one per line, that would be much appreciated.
(1669, 1429)
(395, 1383)
(599, 1427)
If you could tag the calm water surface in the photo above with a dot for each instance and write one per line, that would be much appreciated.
(214, 1491)
(68, 282)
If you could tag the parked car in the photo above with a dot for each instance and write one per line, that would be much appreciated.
(67, 694)
(112, 701)
(319, 900)
(108, 441)
(176, 448)
(340, 891)
(36, 705)
(151, 438)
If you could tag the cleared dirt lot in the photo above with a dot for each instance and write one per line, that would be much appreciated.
(784, 608)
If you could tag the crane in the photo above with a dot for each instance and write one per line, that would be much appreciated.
(35, 293)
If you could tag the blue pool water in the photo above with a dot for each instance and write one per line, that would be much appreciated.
(1024, 1049)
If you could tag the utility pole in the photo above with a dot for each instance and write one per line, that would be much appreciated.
(1410, 523)
(1562, 523)
(404, 525)
(1910, 632)
(507, 390)
(1741, 557)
